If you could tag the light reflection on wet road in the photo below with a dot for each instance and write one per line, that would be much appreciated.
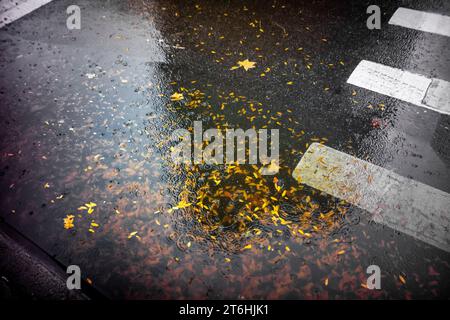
(86, 117)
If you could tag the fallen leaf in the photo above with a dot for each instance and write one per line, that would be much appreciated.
(132, 234)
(176, 97)
(68, 222)
(246, 64)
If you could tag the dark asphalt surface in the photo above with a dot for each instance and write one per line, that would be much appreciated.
(27, 273)
(84, 114)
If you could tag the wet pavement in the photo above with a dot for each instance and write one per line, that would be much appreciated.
(27, 273)
(86, 118)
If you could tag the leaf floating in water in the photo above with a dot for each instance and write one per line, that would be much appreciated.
(182, 204)
(176, 97)
(68, 221)
(94, 224)
(134, 234)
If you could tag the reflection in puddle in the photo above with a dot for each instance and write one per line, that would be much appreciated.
(87, 120)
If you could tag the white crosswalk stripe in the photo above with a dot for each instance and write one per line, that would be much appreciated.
(405, 205)
(417, 89)
(12, 13)
(422, 21)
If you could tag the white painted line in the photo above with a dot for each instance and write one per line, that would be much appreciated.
(422, 21)
(389, 81)
(21, 9)
(405, 205)
(438, 95)
(402, 85)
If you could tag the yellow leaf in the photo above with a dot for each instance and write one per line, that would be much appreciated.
(249, 246)
(132, 234)
(176, 97)
(68, 222)
(246, 64)
(182, 204)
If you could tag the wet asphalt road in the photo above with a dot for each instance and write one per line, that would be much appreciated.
(85, 114)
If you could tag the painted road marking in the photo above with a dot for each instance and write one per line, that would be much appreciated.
(403, 85)
(21, 9)
(422, 21)
(438, 95)
(400, 203)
